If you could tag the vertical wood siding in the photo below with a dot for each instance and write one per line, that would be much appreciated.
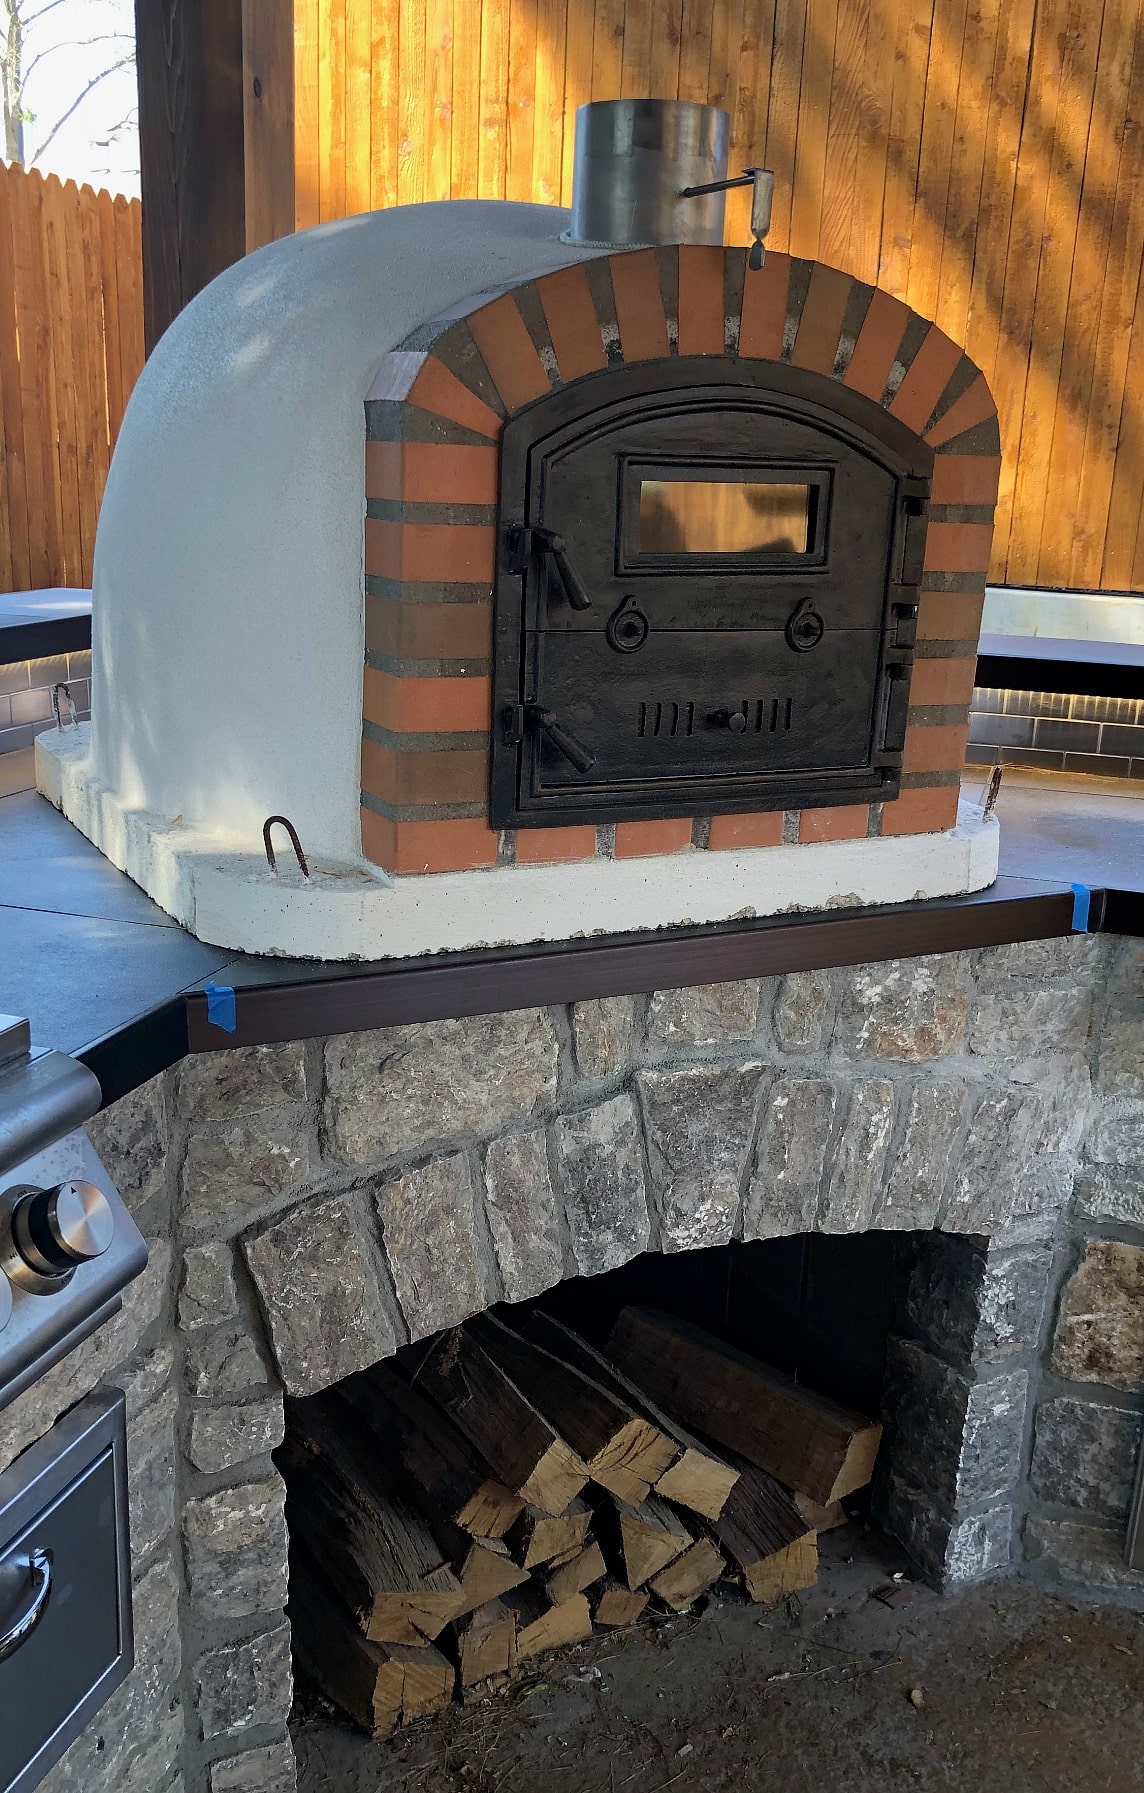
(982, 160)
(71, 346)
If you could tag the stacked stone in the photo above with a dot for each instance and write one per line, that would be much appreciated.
(310, 1207)
(1090, 1422)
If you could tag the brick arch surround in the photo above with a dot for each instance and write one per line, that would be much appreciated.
(434, 416)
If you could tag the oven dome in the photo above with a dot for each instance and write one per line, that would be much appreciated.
(227, 600)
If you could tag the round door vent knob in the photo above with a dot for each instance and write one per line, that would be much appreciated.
(56, 1229)
(805, 628)
(628, 627)
(730, 719)
(5, 1301)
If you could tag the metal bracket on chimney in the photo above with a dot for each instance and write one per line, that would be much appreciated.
(762, 183)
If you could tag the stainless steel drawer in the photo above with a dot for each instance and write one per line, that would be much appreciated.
(65, 1587)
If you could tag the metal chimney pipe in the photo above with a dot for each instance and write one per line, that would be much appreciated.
(633, 160)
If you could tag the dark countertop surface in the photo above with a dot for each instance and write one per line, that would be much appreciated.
(56, 620)
(101, 972)
(1050, 647)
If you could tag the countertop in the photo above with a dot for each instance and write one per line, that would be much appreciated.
(103, 973)
(34, 624)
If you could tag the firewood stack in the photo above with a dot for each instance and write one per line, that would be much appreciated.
(519, 1490)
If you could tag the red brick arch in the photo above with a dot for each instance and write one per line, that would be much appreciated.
(433, 421)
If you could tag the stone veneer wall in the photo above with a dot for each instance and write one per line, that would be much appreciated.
(310, 1206)
(433, 421)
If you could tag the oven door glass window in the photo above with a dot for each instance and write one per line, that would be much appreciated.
(712, 517)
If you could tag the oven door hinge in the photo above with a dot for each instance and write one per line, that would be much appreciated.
(512, 724)
(893, 709)
(914, 495)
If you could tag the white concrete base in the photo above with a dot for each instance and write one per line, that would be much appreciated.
(220, 888)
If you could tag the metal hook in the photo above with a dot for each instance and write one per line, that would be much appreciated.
(294, 842)
(762, 184)
(66, 689)
(989, 794)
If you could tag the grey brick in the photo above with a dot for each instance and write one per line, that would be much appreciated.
(320, 1291)
(798, 1116)
(699, 1123)
(602, 1175)
(220, 1085)
(523, 1218)
(604, 1033)
(244, 1685)
(1100, 1331)
(236, 1550)
(429, 1228)
(707, 1015)
(231, 1174)
(402, 1088)
(855, 1177)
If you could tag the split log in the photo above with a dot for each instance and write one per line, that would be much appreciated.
(523, 1450)
(690, 1575)
(487, 1570)
(692, 1475)
(807, 1441)
(432, 1452)
(616, 1605)
(538, 1537)
(379, 1686)
(623, 1451)
(640, 1541)
(376, 1549)
(585, 1567)
(486, 1646)
(821, 1518)
(765, 1536)
(787, 1572)
(541, 1627)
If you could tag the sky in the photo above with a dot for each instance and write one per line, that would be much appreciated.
(63, 37)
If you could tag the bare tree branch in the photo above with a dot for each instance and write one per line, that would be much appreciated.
(124, 62)
(84, 43)
(31, 18)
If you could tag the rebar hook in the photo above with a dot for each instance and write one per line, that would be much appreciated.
(294, 842)
(66, 689)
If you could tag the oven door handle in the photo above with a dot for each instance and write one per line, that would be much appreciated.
(33, 1605)
(574, 751)
(525, 542)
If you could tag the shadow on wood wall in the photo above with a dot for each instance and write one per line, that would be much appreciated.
(983, 160)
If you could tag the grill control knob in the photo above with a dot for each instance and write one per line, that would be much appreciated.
(5, 1301)
(55, 1229)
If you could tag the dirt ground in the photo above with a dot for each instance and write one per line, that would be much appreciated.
(1005, 1689)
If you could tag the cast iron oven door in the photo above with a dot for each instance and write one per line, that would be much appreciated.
(706, 597)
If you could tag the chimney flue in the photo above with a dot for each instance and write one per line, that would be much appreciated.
(633, 160)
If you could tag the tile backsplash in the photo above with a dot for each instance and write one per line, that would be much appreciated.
(1057, 732)
(26, 709)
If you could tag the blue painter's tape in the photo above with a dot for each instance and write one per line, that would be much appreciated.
(1082, 898)
(220, 1007)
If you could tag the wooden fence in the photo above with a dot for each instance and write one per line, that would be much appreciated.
(981, 159)
(71, 347)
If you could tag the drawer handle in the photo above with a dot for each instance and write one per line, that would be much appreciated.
(35, 1601)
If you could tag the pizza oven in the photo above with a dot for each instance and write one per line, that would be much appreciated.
(474, 573)
(706, 598)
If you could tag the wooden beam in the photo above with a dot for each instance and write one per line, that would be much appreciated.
(210, 147)
(268, 119)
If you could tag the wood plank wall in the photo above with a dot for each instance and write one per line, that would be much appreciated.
(981, 159)
(71, 347)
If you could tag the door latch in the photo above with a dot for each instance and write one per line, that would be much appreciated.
(515, 717)
(526, 543)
